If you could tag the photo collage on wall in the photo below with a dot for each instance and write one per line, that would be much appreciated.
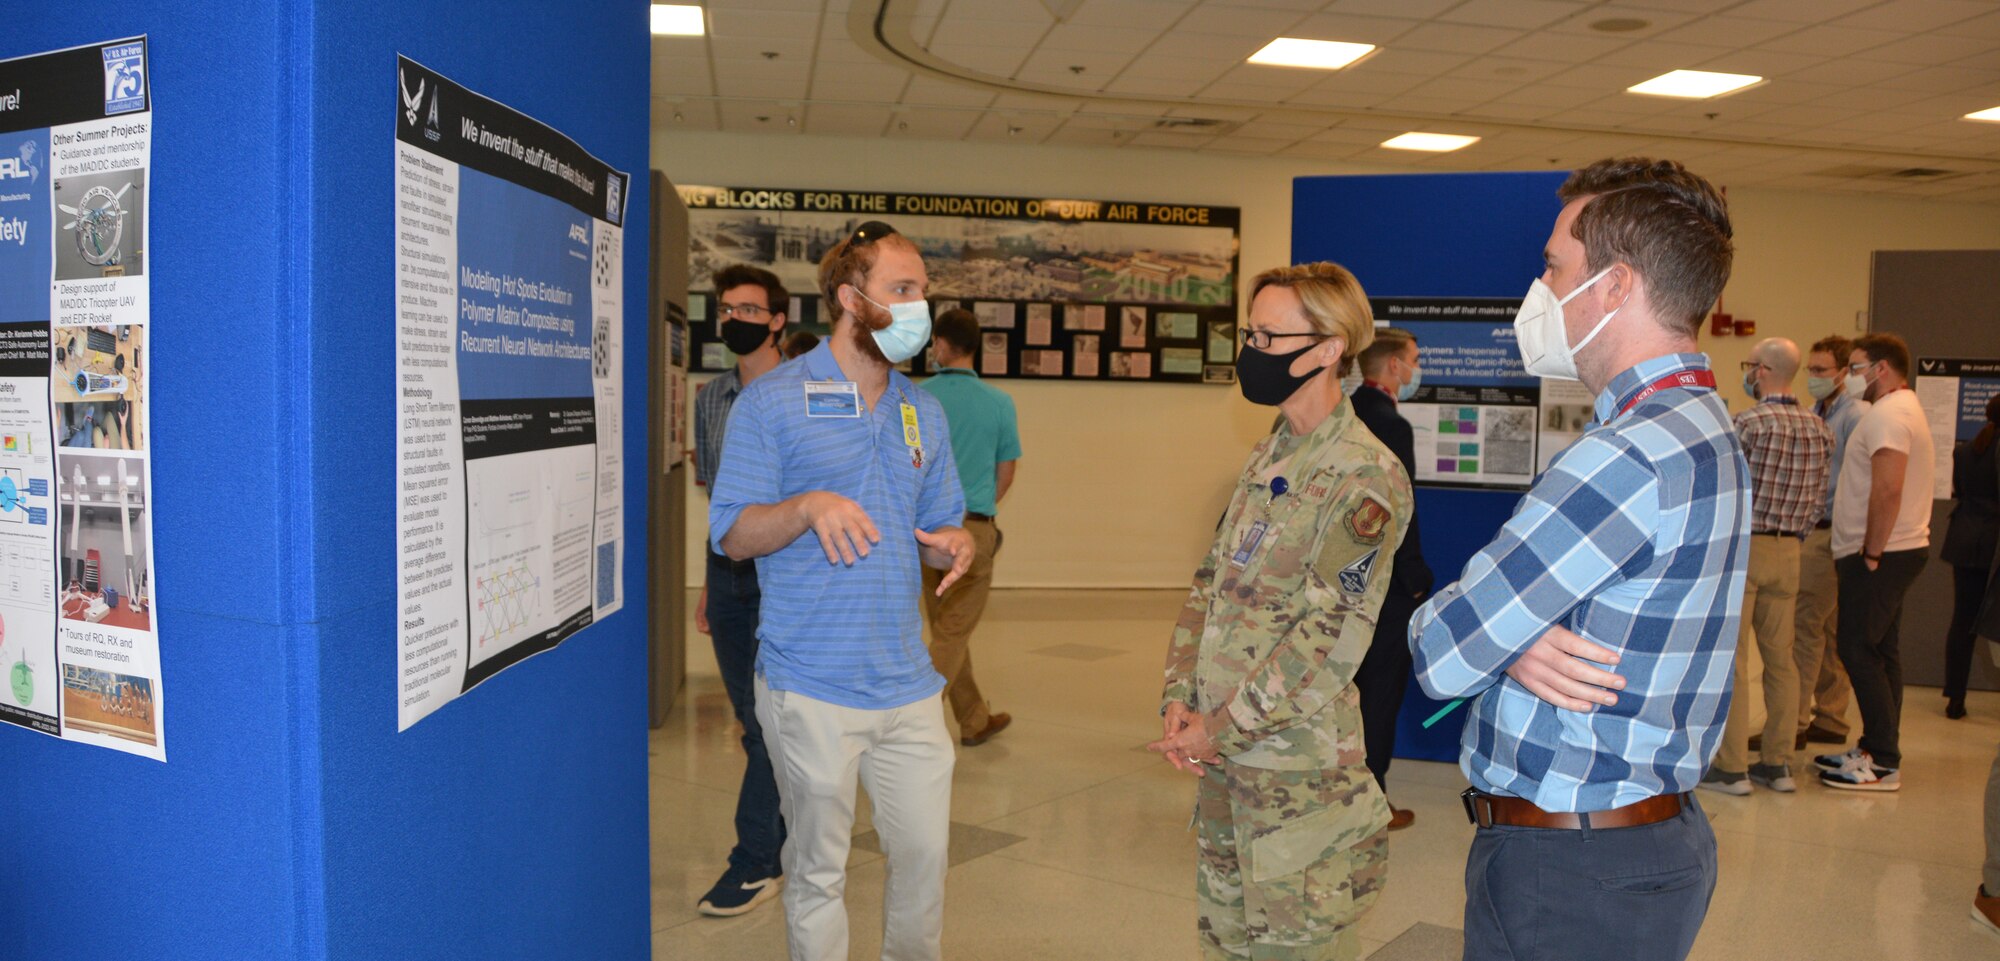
(1062, 289)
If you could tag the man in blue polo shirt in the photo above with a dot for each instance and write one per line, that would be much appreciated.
(1595, 632)
(840, 446)
(986, 444)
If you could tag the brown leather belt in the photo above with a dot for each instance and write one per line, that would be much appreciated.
(976, 516)
(1487, 810)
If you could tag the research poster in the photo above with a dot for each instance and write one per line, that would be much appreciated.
(79, 638)
(1476, 415)
(1164, 272)
(509, 294)
(1954, 392)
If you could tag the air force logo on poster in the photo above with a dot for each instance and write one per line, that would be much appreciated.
(124, 78)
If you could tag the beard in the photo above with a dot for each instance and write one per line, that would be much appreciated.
(861, 333)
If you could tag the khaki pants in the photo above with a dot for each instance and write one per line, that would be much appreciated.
(1823, 689)
(1769, 598)
(953, 618)
(904, 757)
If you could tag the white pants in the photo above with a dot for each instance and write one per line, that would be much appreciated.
(904, 757)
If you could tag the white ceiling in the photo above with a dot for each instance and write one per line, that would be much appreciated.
(1853, 85)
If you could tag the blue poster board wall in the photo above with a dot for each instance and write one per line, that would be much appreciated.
(291, 820)
(1434, 236)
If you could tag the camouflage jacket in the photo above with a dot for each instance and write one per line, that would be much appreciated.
(1284, 605)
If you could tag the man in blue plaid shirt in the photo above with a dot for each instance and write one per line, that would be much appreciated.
(1595, 632)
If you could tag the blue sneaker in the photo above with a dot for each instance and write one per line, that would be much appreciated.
(737, 893)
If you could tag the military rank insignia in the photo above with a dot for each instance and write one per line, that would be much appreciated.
(1368, 520)
(1354, 577)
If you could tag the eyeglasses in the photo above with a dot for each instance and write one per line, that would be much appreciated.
(869, 232)
(745, 311)
(1261, 339)
(1861, 367)
(1750, 365)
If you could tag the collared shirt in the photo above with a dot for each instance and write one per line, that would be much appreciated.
(1841, 415)
(1636, 538)
(984, 433)
(711, 422)
(1791, 455)
(847, 635)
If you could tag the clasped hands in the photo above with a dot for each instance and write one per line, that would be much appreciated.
(846, 534)
(1185, 741)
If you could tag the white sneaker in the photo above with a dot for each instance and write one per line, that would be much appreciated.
(1843, 761)
(1777, 777)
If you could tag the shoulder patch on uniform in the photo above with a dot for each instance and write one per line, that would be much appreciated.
(1368, 520)
(1354, 577)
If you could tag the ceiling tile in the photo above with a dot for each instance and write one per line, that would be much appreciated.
(951, 124)
(1760, 62)
(1216, 20)
(1247, 145)
(1363, 82)
(697, 115)
(1183, 140)
(1423, 63)
(1661, 56)
(1278, 130)
(1604, 78)
(1100, 39)
(731, 22)
(1829, 41)
(1098, 67)
(1457, 38)
(1513, 111)
(1915, 16)
(1408, 9)
(1171, 86)
(1349, 28)
(1932, 49)
(1524, 14)
(1799, 11)
(1502, 72)
(1349, 99)
(840, 119)
(955, 30)
(1253, 93)
(1182, 45)
(798, 50)
(697, 86)
(1657, 22)
(995, 60)
(831, 87)
(1544, 95)
(839, 49)
(1563, 48)
(1123, 13)
(1729, 31)
(1087, 137)
(1944, 80)
(1464, 90)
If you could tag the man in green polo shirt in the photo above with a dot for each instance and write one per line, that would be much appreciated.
(987, 445)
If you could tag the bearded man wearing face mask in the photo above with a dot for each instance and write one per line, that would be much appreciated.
(1594, 634)
(837, 476)
(1259, 700)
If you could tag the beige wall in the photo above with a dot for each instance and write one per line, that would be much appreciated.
(1121, 485)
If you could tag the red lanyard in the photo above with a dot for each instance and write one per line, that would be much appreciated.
(1684, 378)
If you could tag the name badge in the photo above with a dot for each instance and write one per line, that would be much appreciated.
(1252, 539)
(832, 398)
(911, 436)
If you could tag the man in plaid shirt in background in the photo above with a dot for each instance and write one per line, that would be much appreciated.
(1791, 453)
(1594, 633)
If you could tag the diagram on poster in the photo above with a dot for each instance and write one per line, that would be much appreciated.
(1475, 416)
(79, 638)
(509, 285)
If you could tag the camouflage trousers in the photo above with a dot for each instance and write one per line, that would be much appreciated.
(1288, 861)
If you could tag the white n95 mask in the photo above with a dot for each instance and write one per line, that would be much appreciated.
(1539, 334)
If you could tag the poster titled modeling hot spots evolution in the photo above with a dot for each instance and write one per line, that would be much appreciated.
(509, 294)
(79, 638)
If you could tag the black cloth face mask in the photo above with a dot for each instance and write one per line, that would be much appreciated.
(1267, 378)
(743, 337)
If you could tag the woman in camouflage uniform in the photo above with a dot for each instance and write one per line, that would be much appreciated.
(1259, 699)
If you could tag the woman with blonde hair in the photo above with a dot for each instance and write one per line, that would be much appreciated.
(1259, 700)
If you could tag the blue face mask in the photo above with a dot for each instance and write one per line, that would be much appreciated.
(908, 331)
(1409, 390)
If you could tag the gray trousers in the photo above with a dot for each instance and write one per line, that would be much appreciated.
(1636, 894)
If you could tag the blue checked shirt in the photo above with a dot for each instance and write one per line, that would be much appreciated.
(711, 422)
(1636, 538)
(850, 636)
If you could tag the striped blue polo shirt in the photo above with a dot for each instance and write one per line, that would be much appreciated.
(850, 636)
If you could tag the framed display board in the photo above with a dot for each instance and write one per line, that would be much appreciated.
(1063, 289)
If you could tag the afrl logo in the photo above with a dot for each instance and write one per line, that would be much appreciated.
(124, 78)
(27, 166)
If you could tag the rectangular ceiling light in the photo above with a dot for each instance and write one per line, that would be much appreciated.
(1694, 84)
(1318, 54)
(1990, 115)
(1434, 142)
(677, 20)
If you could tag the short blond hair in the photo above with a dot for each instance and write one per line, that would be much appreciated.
(1335, 305)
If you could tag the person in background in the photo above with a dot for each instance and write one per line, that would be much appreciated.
(987, 445)
(837, 477)
(1595, 632)
(1969, 544)
(1824, 693)
(751, 303)
(1390, 374)
(799, 343)
(1881, 541)
(1259, 700)
(1789, 451)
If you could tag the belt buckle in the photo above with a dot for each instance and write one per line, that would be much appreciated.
(1470, 798)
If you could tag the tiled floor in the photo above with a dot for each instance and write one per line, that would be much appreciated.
(1079, 849)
